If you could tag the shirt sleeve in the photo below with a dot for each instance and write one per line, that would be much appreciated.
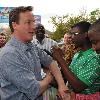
(45, 59)
(55, 43)
(91, 72)
(16, 72)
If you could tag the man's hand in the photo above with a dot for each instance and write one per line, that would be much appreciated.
(68, 96)
(63, 95)
(48, 74)
(45, 82)
(57, 74)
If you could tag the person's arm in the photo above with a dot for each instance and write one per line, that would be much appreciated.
(58, 76)
(45, 82)
(52, 65)
(17, 73)
(75, 82)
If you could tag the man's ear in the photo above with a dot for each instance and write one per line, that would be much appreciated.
(14, 24)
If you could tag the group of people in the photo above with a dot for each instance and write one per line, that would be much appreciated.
(76, 63)
(81, 66)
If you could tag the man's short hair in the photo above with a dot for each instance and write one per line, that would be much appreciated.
(39, 28)
(83, 26)
(14, 15)
(95, 27)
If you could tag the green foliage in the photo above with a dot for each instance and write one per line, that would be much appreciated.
(94, 15)
(62, 24)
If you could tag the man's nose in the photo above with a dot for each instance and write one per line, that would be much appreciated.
(72, 36)
(32, 26)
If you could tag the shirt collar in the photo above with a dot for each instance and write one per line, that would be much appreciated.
(19, 44)
(43, 41)
(87, 52)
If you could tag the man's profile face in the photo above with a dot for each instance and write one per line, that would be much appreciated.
(95, 40)
(25, 27)
(67, 39)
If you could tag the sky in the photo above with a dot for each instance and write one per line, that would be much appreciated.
(48, 8)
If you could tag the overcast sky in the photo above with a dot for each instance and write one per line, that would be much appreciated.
(48, 8)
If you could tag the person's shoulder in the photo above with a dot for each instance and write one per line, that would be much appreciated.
(92, 52)
(95, 55)
(92, 55)
(7, 49)
(51, 40)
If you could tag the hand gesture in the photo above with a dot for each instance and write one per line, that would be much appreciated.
(57, 53)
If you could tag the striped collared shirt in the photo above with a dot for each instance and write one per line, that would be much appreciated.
(47, 43)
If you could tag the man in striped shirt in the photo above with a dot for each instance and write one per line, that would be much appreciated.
(45, 44)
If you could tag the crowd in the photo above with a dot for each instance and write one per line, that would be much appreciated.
(34, 67)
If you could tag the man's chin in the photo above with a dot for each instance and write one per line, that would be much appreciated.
(29, 39)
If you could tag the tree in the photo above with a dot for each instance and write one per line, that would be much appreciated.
(62, 24)
(94, 15)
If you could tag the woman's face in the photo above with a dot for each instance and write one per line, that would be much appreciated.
(67, 39)
(2, 40)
